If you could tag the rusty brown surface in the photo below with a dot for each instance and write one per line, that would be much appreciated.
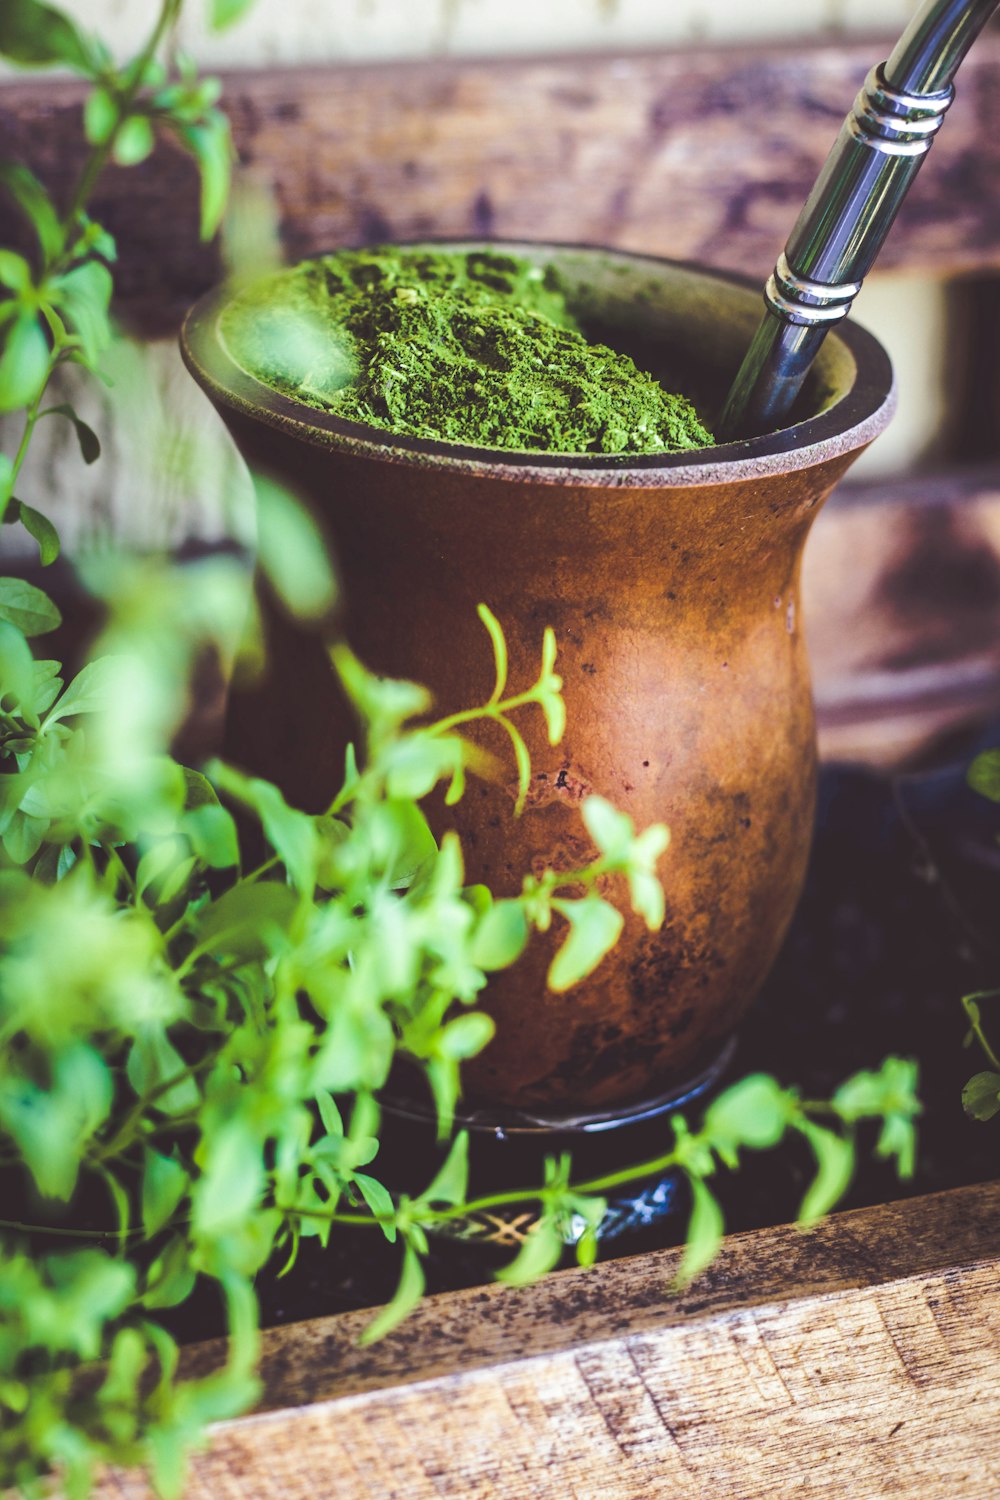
(674, 595)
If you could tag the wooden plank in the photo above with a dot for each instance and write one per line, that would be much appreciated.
(702, 154)
(901, 591)
(856, 1359)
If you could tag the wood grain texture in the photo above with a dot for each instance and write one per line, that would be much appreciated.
(901, 590)
(858, 1359)
(703, 154)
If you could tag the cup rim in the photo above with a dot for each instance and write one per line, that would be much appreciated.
(846, 426)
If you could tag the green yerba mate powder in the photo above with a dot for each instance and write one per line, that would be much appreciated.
(473, 347)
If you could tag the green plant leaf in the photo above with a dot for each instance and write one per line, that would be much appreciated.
(834, 1168)
(152, 1062)
(91, 691)
(753, 1112)
(704, 1232)
(225, 13)
(34, 35)
(213, 836)
(164, 1183)
(500, 936)
(17, 670)
(27, 607)
(594, 928)
(451, 1183)
(171, 1277)
(43, 531)
(292, 552)
(100, 115)
(83, 295)
(981, 1096)
(244, 920)
(36, 205)
(408, 1293)
(984, 774)
(90, 445)
(379, 1200)
(466, 1036)
(611, 830)
(232, 1179)
(292, 834)
(541, 1252)
(15, 274)
(211, 146)
(198, 790)
(499, 643)
(24, 363)
(134, 141)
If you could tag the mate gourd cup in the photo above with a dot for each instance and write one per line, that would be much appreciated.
(673, 587)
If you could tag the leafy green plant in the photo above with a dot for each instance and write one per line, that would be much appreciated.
(193, 1042)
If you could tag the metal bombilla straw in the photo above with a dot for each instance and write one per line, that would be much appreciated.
(850, 210)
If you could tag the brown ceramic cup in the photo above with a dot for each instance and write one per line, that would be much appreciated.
(673, 585)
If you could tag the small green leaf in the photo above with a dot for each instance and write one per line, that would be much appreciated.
(15, 274)
(981, 1096)
(91, 691)
(232, 1179)
(541, 1252)
(594, 928)
(211, 146)
(43, 531)
(835, 1166)
(134, 141)
(198, 790)
(152, 1063)
(34, 34)
(244, 919)
(451, 1184)
(611, 830)
(466, 1036)
(24, 363)
(704, 1232)
(522, 759)
(36, 205)
(17, 670)
(164, 1183)
(84, 297)
(408, 1293)
(171, 1277)
(984, 774)
(330, 1115)
(498, 639)
(90, 445)
(379, 1200)
(27, 607)
(213, 836)
(292, 552)
(226, 12)
(100, 115)
(753, 1112)
(500, 936)
(292, 834)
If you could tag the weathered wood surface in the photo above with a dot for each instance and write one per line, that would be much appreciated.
(858, 1359)
(901, 591)
(703, 154)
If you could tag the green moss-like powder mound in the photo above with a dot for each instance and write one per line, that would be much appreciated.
(472, 347)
